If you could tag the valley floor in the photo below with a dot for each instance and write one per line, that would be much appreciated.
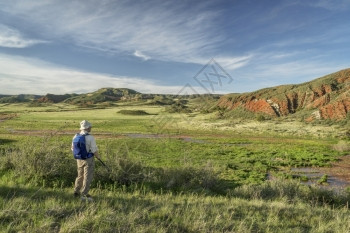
(171, 173)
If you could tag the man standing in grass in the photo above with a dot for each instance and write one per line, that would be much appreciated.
(85, 159)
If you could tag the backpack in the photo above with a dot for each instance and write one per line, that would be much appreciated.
(79, 147)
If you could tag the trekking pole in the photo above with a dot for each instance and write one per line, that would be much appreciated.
(109, 170)
(104, 164)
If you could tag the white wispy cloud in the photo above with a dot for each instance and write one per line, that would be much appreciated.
(141, 55)
(32, 76)
(233, 63)
(163, 30)
(228, 63)
(12, 38)
(173, 31)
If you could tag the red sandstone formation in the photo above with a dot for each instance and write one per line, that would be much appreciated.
(327, 98)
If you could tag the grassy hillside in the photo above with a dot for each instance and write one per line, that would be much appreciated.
(18, 98)
(51, 98)
(103, 95)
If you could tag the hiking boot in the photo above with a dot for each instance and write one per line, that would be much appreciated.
(86, 197)
(76, 194)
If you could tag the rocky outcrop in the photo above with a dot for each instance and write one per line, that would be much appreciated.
(327, 97)
(337, 110)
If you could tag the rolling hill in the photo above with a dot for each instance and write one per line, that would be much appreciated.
(18, 98)
(327, 97)
(103, 95)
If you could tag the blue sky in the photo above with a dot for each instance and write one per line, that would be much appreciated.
(65, 46)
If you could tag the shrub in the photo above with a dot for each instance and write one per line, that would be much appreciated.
(189, 179)
(342, 146)
(323, 179)
(122, 170)
(44, 161)
(133, 112)
(260, 118)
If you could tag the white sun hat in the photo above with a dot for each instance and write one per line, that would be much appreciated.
(85, 125)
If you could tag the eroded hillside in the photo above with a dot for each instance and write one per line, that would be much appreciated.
(327, 97)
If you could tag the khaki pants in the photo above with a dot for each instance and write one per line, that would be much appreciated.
(85, 174)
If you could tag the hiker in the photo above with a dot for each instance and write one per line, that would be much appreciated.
(85, 159)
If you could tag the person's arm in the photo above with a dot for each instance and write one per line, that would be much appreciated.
(72, 143)
(97, 155)
(93, 147)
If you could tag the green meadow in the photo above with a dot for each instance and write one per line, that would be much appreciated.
(171, 172)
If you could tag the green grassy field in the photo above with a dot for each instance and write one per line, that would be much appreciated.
(172, 172)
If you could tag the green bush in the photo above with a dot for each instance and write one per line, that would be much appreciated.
(133, 112)
(122, 170)
(260, 118)
(342, 146)
(323, 179)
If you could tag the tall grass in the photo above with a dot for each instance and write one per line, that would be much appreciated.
(159, 163)
(274, 207)
(47, 162)
(36, 196)
(41, 160)
(292, 191)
